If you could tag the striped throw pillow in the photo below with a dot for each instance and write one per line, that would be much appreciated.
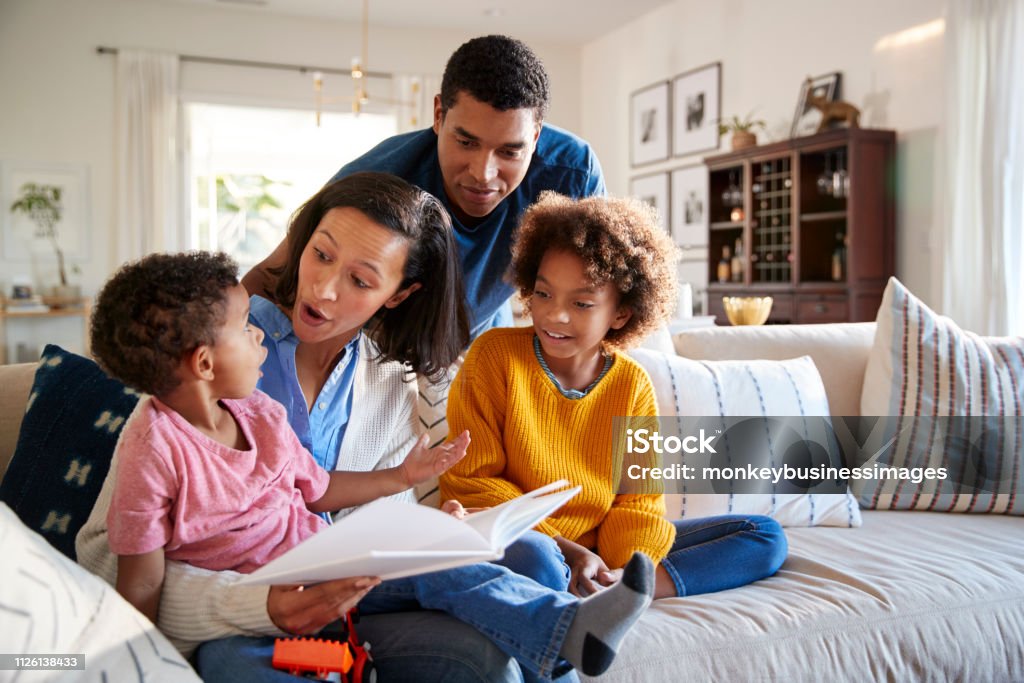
(966, 393)
(749, 388)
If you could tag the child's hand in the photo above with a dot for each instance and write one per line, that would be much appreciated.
(423, 464)
(455, 509)
(589, 572)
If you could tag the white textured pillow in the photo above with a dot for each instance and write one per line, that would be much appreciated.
(923, 364)
(51, 605)
(748, 388)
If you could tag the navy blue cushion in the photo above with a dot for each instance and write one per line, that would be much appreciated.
(74, 415)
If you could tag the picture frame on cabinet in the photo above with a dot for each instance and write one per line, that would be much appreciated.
(696, 107)
(807, 119)
(653, 189)
(649, 124)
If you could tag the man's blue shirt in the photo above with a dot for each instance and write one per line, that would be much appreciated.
(322, 430)
(562, 162)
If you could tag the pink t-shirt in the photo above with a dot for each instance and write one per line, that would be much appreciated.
(205, 503)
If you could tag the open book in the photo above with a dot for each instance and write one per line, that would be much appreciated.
(390, 539)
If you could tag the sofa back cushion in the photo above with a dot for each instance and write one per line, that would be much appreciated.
(16, 381)
(73, 418)
(922, 364)
(839, 350)
(758, 388)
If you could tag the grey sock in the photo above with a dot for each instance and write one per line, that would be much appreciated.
(602, 620)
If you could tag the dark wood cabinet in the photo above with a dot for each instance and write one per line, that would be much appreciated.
(809, 222)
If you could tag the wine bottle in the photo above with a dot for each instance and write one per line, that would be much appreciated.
(839, 259)
(724, 267)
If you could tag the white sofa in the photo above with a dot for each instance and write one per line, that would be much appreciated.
(909, 596)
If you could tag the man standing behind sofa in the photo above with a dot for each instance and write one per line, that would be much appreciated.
(487, 157)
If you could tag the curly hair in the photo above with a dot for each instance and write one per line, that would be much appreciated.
(155, 311)
(497, 70)
(619, 242)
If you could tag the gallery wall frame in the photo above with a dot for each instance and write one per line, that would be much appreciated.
(696, 110)
(654, 189)
(649, 124)
(18, 232)
(689, 194)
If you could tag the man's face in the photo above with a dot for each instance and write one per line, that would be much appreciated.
(484, 153)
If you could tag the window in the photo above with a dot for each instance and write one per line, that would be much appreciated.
(251, 168)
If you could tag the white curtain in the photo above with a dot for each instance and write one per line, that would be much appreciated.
(414, 97)
(983, 275)
(146, 128)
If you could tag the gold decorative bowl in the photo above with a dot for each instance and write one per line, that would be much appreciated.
(747, 310)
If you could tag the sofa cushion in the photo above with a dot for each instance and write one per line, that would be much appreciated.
(71, 424)
(51, 605)
(16, 381)
(922, 364)
(840, 350)
(759, 388)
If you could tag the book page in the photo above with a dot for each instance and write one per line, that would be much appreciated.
(503, 524)
(390, 539)
(365, 543)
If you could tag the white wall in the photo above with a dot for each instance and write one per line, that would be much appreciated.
(766, 50)
(57, 95)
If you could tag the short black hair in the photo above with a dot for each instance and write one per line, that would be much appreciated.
(430, 328)
(496, 70)
(154, 312)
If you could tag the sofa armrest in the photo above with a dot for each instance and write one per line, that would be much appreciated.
(839, 350)
(16, 381)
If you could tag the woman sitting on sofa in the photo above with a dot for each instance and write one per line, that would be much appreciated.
(349, 402)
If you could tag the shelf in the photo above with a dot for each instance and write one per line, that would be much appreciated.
(53, 313)
(821, 286)
(822, 216)
(726, 225)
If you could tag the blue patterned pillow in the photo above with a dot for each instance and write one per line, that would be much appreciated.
(72, 421)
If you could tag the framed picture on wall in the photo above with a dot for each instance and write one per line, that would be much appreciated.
(654, 190)
(22, 238)
(696, 107)
(807, 118)
(689, 192)
(649, 124)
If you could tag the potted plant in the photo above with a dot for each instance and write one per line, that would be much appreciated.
(42, 205)
(742, 130)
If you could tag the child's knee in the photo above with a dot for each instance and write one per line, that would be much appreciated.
(773, 537)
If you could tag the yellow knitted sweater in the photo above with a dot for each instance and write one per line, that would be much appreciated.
(526, 434)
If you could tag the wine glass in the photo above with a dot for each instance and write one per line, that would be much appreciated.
(732, 195)
(840, 179)
(825, 179)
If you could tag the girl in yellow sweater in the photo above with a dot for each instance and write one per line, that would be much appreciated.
(597, 275)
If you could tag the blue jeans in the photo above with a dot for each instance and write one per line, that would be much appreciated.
(709, 554)
(523, 618)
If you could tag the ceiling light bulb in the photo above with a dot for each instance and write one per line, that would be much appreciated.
(357, 68)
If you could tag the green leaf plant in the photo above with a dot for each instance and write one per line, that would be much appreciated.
(42, 205)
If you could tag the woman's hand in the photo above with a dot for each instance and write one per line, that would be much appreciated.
(423, 464)
(303, 610)
(589, 572)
